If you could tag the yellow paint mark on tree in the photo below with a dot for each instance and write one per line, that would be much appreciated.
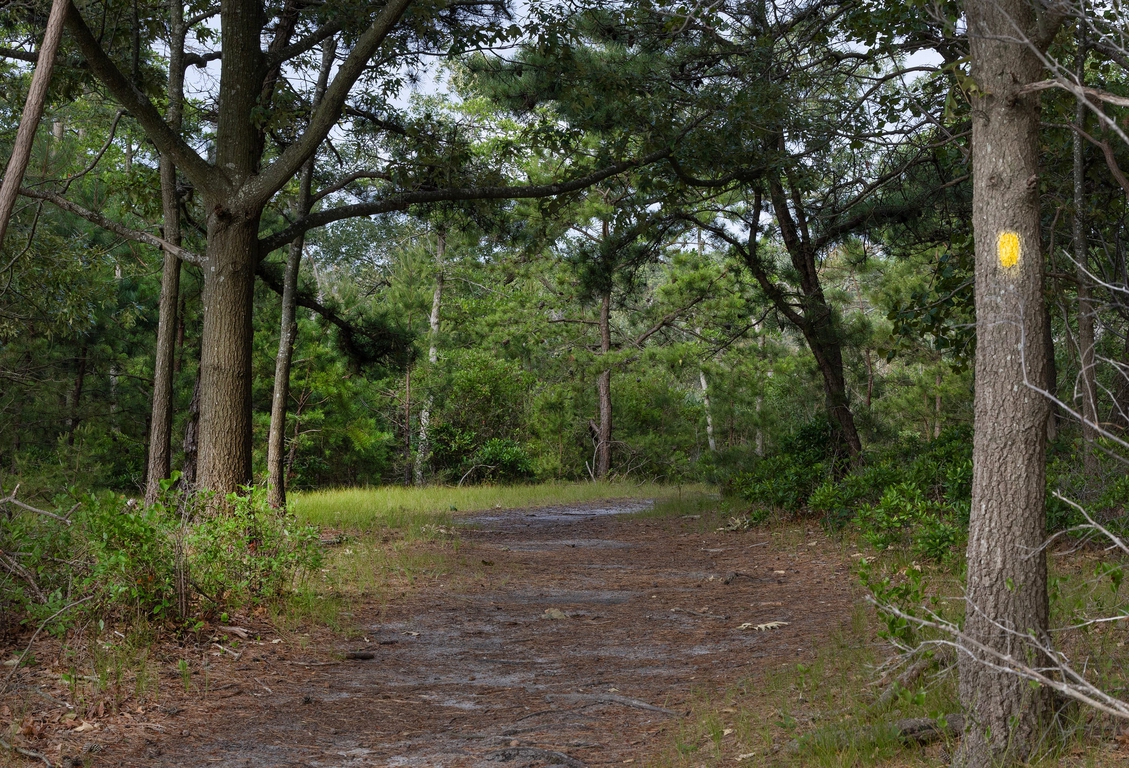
(1007, 246)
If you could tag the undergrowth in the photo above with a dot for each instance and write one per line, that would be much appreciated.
(189, 558)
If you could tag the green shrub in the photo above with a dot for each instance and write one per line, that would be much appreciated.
(119, 558)
(503, 460)
(787, 479)
(886, 523)
(251, 553)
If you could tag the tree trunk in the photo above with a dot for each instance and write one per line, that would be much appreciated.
(1006, 590)
(225, 356)
(233, 252)
(160, 422)
(75, 398)
(709, 414)
(168, 325)
(1085, 302)
(817, 322)
(937, 408)
(423, 454)
(276, 438)
(32, 113)
(604, 393)
(408, 425)
(825, 347)
(280, 399)
(192, 438)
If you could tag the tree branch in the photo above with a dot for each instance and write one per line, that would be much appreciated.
(307, 43)
(12, 53)
(408, 199)
(210, 180)
(113, 226)
(260, 188)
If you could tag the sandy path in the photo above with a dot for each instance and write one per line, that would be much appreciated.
(479, 673)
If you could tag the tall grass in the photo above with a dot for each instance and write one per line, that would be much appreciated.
(405, 508)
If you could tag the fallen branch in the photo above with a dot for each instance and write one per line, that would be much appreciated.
(910, 675)
(913, 730)
(11, 499)
(608, 698)
(26, 752)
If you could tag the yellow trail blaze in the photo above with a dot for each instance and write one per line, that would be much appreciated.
(1007, 246)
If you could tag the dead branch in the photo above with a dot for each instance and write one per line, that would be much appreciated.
(11, 499)
(12, 566)
(26, 752)
(912, 674)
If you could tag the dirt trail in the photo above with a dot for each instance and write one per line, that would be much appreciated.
(480, 673)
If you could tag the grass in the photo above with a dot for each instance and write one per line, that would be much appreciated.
(410, 509)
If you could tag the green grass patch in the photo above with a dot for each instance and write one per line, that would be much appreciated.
(410, 510)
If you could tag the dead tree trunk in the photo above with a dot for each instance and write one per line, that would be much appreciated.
(604, 392)
(423, 453)
(709, 414)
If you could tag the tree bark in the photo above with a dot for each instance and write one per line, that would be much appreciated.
(604, 393)
(1006, 590)
(32, 114)
(233, 251)
(709, 414)
(817, 320)
(408, 425)
(225, 356)
(160, 422)
(276, 437)
(823, 340)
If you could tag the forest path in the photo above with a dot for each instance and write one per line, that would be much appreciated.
(564, 636)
